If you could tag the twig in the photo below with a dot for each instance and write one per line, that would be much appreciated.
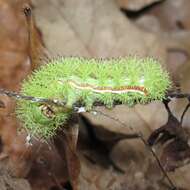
(159, 163)
(57, 102)
(166, 102)
(18, 96)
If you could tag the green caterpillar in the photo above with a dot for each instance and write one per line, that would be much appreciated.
(86, 81)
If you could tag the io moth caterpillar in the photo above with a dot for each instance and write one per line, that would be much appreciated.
(86, 81)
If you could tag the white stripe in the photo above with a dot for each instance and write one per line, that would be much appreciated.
(105, 90)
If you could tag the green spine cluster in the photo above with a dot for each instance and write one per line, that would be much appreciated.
(50, 81)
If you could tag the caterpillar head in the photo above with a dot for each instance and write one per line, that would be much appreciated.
(41, 120)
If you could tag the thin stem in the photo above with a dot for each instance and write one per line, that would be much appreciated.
(31, 98)
(166, 102)
(139, 135)
(57, 102)
(159, 163)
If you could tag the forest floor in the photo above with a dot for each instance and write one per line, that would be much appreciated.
(101, 29)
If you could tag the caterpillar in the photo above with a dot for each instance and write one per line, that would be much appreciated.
(85, 81)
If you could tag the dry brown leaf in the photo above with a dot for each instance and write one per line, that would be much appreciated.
(14, 60)
(98, 29)
(101, 30)
(7, 182)
(14, 65)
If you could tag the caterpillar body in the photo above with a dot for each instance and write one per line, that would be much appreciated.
(126, 80)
